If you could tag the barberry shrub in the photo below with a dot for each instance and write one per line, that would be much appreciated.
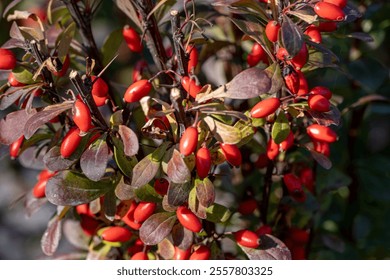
(146, 169)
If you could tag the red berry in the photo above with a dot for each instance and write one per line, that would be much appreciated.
(318, 103)
(14, 148)
(190, 86)
(83, 209)
(202, 253)
(327, 26)
(303, 86)
(282, 54)
(322, 148)
(82, 116)
(300, 59)
(140, 256)
(340, 3)
(188, 219)
(247, 206)
(314, 33)
(307, 178)
(138, 69)
(137, 90)
(232, 154)
(299, 236)
(129, 217)
(143, 211)
(64, 69)
(45, 174)
(321, 133)
(13, 82)
(272, 30)
(291, 79)
(189, 141)
(324, 91)
(193, 58)
(40, 188)
(99, 87)
(272, 149)
(89, 224)
(329, 11)
(70, 142)
(294, 187)
(288, 142)
(265, 107)
(182, 254)
(116, 234)
(7, 59)
(262, 161)
(132, 38)
(203, 162)
(161, 186)
(247, 238)
(256, 55)
(99, 101)
(264, 229)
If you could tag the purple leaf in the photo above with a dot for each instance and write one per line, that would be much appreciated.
(157, 227)
(51, 237)
(44, 116)
(182, 237)
(11, 95)
(144, 171)
(333, 116)
(292, 37)
(130, 140)
(177, 169)
(178, 193)
(12, 126)
(54, 161)
(93, 161)
(205, 191)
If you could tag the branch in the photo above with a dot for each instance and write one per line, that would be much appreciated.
(178, 43)
(266, 192)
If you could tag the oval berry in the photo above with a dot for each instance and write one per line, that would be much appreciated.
(140, 256)
(247, 206)
(202, 253)
(129, 217)
(13, 82)
(193, 56)
(39, 189)
(322, 148)
(137, 90)
(116, 234)
(188, 219)
(82, 116)
(99, 87)
(89, 224)
(321, 133)
(288, 142)
(45, 174)
(14, 148)
(318, 103)
(339, 3)
(188, 141)
(272, 149)
(282, 54)
(143, 211)
(256, 55)
(299, 236)
(272, 30)
(307, 178)
(7, 59)
(262, 161)
(190, 86)
(182, 254)
(70, 142)
(314, 33)
(263, 230)
(203, 162)
(247, 238)
(291, 79)
(161, 186)
(99, 101)
(300, 59)
(324, 91)
(303, 85)
(265, 107)
(294, 187)
(329, 11)
(132, 38)
(232, 154)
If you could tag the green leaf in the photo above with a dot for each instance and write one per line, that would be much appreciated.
(70, 189)
(157, 227)
(147, 193)
(159, 153)
(125, 164)
(247, 132)
(218, 213)
(22, 75)
(274, 73)
(281, 128)
(65, 39)
(111, 45)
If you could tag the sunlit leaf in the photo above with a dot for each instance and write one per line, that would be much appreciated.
(12, 126)
(205, 191)
(178, 193)
(52, 236)
(218, 213)
(223, 132)
(195, 205)
(144, 171)
(177, 169)
(93, 161)
(130, 140)
(281, 128)
(157, 227)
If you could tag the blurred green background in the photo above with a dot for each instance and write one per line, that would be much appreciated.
(353, 220)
